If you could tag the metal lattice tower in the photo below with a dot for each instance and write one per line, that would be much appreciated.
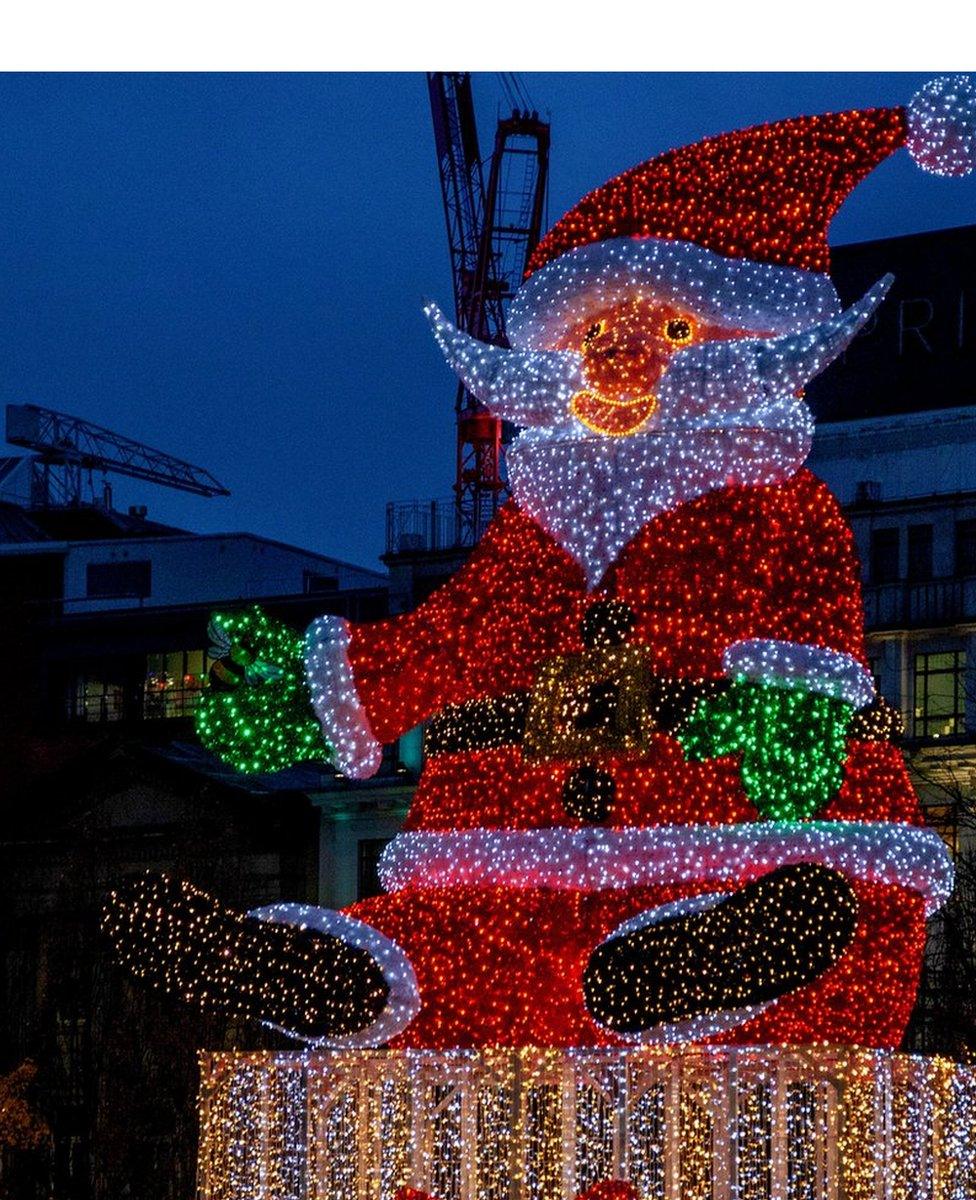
(67, 447)
(491, 233)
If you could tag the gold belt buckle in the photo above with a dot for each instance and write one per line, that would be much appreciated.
(564, 719)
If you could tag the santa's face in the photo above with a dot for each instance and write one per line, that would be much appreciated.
(625, 350)
(632, 403)
(643, 365)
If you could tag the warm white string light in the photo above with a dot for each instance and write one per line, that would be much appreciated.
(533, 1124)
(403, 1002)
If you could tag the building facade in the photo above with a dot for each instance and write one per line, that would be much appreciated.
(896, 442)
(103, 631)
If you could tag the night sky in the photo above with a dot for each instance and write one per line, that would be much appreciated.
(231, 267)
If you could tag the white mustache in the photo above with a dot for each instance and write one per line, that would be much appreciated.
(534, 387)
(718, 376)
(528, 387)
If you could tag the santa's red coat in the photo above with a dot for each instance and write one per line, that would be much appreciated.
(504, 965)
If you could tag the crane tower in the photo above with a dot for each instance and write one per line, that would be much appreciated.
(492, 230)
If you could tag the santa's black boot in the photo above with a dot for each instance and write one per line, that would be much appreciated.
(307, 982)
(695, 967)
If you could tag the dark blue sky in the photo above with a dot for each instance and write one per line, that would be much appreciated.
(230, 267)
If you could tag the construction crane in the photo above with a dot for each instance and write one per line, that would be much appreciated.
(67, 447)
(491, 231)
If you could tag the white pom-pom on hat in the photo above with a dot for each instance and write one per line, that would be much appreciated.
(942, 126)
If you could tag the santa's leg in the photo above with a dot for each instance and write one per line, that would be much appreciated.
(310, 972)
(693, 968)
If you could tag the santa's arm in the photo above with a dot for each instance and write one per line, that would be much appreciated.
(808, 629)
(481, 633)
(795, 683)
(800, 666)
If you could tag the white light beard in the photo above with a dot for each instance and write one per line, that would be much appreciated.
(593, 493)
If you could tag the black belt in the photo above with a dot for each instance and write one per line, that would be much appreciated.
(501, 721)
(495, 723)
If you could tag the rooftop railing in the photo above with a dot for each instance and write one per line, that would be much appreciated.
(422, 525)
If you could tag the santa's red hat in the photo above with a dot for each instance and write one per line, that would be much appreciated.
(735, 226)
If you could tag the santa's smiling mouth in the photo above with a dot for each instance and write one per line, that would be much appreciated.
(614, 418)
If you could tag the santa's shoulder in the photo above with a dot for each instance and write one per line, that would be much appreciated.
(802, 492)
(801, 488)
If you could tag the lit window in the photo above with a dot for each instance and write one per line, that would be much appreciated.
(174, 682)
(93, 699)
(940, 703)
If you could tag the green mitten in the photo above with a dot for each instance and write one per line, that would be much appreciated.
(793, 744)
(256, 715)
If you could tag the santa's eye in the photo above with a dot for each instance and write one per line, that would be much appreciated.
(679, 331)
(593, 333)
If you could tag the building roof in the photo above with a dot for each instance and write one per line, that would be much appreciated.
(83, 524)
(17, 526)
(58, 528)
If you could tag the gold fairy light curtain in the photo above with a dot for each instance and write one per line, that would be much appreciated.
(757, 1123)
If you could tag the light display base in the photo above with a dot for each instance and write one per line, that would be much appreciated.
(792, 1123)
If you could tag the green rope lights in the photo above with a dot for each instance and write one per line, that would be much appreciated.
(256, 715)
(793, 744)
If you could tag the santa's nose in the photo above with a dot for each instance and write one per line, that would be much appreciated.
(623, 373)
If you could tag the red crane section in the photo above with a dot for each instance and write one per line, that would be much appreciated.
(492, 231)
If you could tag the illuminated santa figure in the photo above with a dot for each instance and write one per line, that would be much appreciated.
(660, 800)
